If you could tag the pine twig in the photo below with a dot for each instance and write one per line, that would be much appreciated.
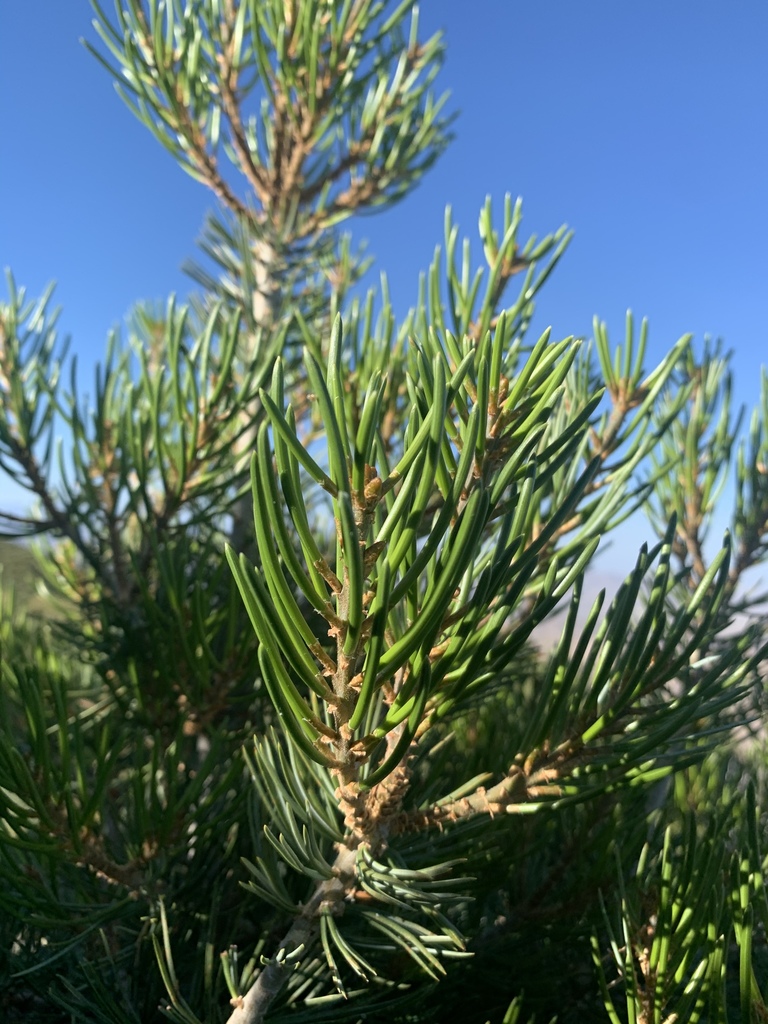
(253, 1006)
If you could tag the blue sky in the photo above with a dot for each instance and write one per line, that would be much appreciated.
(643, 125)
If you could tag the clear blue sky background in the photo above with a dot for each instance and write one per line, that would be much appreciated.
(643, 124)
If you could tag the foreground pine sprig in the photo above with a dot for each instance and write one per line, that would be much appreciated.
(420, 615)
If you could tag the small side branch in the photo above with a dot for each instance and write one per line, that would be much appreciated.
(256, 1002)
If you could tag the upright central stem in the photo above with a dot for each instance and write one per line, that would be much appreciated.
(265, 303)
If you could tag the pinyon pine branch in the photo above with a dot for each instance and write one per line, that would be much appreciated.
(276, 741)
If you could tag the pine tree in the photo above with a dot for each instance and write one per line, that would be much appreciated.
(283, 746)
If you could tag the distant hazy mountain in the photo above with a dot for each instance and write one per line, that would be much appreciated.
(18, 570)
